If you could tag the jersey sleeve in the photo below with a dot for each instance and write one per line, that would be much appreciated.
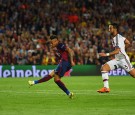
(124, 38)
(117, 42)
(62, 47)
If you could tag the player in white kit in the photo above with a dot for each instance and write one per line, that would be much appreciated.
(121, 59)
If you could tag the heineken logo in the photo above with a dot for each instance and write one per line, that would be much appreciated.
(13, 72)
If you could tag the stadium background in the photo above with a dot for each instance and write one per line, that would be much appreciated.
(25, 26)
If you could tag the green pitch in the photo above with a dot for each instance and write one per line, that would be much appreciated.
(16, 98)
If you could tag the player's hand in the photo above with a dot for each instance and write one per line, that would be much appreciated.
(72, 63)
(102, 54)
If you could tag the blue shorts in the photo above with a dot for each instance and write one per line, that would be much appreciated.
(62, 68)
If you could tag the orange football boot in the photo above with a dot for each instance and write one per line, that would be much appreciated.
(104, 90)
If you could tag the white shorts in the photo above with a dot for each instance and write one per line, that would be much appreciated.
(123, 63)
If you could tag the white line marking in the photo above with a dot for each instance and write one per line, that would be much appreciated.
(78, 92)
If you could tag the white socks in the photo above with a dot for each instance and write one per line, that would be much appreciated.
(105, 78)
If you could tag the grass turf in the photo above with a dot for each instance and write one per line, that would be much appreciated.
(17, 98)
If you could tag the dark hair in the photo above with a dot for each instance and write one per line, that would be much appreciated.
(115, 25)
(53, 37)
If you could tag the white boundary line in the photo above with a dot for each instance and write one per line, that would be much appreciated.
(77, 92)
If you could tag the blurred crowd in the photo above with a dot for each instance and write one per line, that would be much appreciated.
(25, 27)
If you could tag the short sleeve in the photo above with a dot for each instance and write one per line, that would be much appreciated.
(124, 38)
(62, 47)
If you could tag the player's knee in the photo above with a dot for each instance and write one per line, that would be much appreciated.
(133, 76)
(105, 68)
(132, 73)
(56, 78)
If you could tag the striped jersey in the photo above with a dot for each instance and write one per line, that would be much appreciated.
(63, 54)
(118, 42)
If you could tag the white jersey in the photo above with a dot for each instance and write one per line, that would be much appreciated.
(118, 42)
(121, 59)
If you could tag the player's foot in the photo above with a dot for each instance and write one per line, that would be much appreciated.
(71, 95)
(104, 90)
(31, 83)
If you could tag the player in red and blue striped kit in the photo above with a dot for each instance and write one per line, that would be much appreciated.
(65, 64)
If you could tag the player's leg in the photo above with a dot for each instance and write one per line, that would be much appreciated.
(125, 64)
(44, 79)
(59, 72)
(61, 85)
(104, 71)
(132, 73)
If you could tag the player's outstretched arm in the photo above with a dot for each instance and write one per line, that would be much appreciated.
(116, 51)
(127, 43)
